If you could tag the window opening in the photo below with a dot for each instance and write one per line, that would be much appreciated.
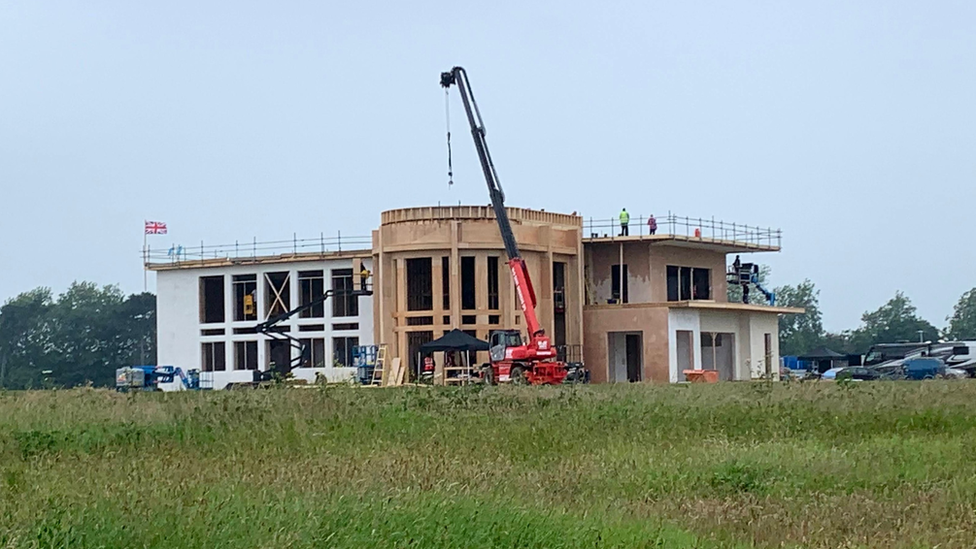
(468, 300)
(311, 286)
(420, 289)
(343, 304)
(313, 352)
(214, 358)
(245, 297)
(277, 293)
(245, 355)
(493, 283)
(343, 350)
(211, 299)
(615, 284)
(446, 283)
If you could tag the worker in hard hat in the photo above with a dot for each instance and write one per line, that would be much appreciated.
(624, 222)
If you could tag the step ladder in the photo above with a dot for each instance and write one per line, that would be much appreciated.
(380, 366)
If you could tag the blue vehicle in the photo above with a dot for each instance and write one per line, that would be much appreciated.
(924, 368)
(148, 378)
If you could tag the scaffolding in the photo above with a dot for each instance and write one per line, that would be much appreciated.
(672, 225)
(310, 247)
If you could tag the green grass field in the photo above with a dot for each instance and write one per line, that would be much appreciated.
(733, 465)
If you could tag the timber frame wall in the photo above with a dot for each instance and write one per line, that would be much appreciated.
(448, 234)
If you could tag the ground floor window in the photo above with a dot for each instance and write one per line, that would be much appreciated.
(343, 350)
(246, 355)
(214, 358)
(313, 352)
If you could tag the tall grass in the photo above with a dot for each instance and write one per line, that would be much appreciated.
(822, 465)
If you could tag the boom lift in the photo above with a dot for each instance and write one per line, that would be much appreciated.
(512, 360)
(271, 328)
(744, 274)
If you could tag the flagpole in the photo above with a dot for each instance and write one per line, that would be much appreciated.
(145, 286)
(145, 258)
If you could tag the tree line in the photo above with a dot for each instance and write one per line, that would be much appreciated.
(895, 321)
(78, 337)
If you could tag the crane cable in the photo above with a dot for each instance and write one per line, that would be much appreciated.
(450, 165)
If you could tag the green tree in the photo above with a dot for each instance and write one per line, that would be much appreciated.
(82, 337)
(896, 321)
(839, 342)
(25, 339)
(962, 323)
(800, 333)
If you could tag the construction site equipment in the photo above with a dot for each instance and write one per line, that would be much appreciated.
(149, 378)
(701, 376)
(365, 357)
(744, 274)
(512, 360)
(271, 327)
(456, 346)
(378, 369)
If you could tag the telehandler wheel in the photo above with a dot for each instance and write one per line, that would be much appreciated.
(518, 376)
(489, 376)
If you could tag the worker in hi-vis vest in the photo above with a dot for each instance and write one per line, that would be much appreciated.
(364, 278)
(624, 222)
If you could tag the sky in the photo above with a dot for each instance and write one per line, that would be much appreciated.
(851, 126)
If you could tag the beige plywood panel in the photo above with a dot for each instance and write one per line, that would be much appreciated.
(651, 322)
(430, 233)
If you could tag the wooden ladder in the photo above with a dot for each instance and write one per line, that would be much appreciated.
(380, 366)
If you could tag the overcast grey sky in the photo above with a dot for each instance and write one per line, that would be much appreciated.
(850, 125)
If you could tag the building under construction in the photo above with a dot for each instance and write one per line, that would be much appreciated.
(641, 307)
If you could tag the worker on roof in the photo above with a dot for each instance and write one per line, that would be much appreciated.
(363, 278)
(651, 225)
(624, 222)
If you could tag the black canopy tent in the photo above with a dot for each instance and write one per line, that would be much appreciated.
(824, 359)
(453, 344)
(455, 340)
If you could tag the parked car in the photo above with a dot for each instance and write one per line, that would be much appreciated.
(858, 373)
(831, 374)
(924, 368)
(956, 373)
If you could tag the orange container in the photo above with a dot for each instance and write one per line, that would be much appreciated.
(701, 376)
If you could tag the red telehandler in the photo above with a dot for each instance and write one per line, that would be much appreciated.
(512, 360)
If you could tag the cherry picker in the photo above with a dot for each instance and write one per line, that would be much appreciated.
(512, 360)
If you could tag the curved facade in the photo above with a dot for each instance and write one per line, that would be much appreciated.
(440, 268)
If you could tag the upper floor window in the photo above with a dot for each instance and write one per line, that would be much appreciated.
(689, 283)
(311, 286)
(343, 304)
(618, 285)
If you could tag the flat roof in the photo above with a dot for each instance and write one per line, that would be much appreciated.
(177, 264)
(700, 242)
(701, 304)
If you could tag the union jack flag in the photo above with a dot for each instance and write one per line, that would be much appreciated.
(155, 227)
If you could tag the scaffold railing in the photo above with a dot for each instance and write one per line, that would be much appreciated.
(690, 227)
(176, 253)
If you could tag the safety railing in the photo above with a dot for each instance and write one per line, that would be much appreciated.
(690, 227)
(176, 253)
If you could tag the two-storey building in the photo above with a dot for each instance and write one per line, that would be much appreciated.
(640, 307)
